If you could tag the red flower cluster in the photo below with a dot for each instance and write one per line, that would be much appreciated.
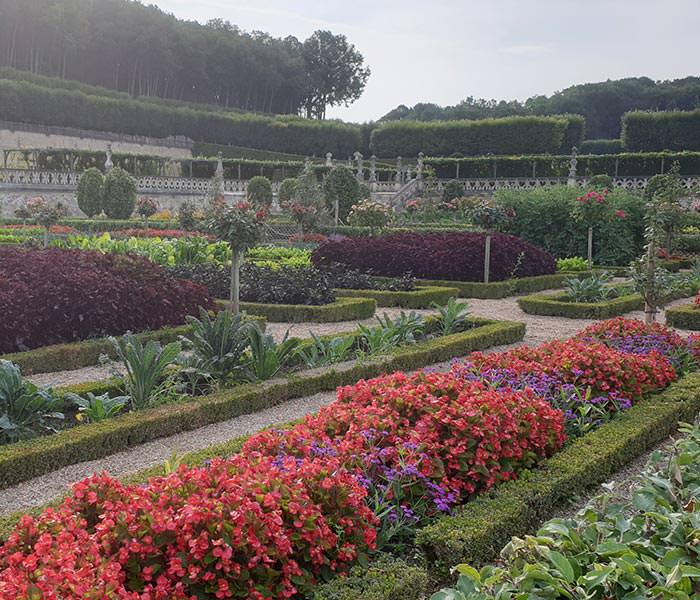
(57, 229)
(457, 434)
(593, 197)
(248, 527)
(308, 237)
(161, 233)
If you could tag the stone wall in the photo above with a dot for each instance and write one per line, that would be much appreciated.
(11, 140)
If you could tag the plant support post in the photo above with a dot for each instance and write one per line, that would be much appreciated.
(235, 303)
(590, 248)
(487, 258)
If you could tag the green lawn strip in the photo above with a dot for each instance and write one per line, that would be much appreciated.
(24, 460)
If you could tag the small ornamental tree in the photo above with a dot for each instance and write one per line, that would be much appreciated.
(306, 204)
(146, 207)
(119, 194)
(45, 215)
(452, 190)
(491, 217)
(286, 190)
(341, 191)
(369, 214)
(665, 192)
(594, 208)
(90, 191)
(241, 227)
(259, 191)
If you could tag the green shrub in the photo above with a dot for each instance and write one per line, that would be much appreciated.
(343, 309)
(421, 297)
(572, 263)
(89, 192)
(509, 135)
(341, 186)
(601, 146)
(544, 218)
(684, 317)
(604, 182)
(259, 191)
(453, 189)
(286, 190)
(119, 197)
(646, 131)
(558, 305)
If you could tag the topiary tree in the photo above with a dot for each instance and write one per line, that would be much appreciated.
(341, 190)
(119, 198)
(665, 192)
(146, 207)
(452, 190)
(286, 191)
(307, 201)
(259, 191)
(45, 215)
(601, 182)
(90, 191)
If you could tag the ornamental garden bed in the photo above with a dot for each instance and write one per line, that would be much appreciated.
(537, 391)
(559, 305)
(500, 289)
(684, 317)
(343, 309)
(423, 296)
(24, 460)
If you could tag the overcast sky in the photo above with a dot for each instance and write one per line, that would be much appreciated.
(445, 50)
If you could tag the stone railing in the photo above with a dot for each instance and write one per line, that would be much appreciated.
(527, 183)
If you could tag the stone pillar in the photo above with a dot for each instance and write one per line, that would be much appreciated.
(359, 160)
(373, 174)
(329, 159)
(419, 171)
(399, 174)
(109, 165)
(571, 181)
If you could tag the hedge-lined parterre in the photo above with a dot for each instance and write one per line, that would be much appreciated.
(684, 317)
(559, 305)
(343, 309)
(421, 297)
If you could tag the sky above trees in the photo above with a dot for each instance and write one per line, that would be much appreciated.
(445, 50)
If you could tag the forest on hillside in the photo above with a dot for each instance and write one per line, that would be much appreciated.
(126, 46)
(602, 104)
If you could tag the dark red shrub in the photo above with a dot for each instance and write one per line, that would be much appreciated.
(55, 296)
(452, 256)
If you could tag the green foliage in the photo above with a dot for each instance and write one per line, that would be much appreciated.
(420, 297)
(602, 146)
(452, 316)
(341, 186)
(367, 213)
(573, 263)
(616, 547)
(286, 190)
(94, 409)
(187, 216)
(510, 135)
(452, 190)
(25, 410)
(119, 194)
(324, 351)
(146, 369)
(259, 191)
(600, 182)
(594, 288)
(90, 191)
(684, 317)
(646, 131)
(560, 305)
(390, 333)
(267, 357)
(239, 228)
(217, 345)
(543, 217)
(343, 309)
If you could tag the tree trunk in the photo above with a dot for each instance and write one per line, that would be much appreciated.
(669, 243)
(46, 237)
(649, 309)
(590, 248)
(487, 258)
(235, 304)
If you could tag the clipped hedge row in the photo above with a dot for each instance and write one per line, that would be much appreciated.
(65, 357)
(686, 316)
(508, 135)
(421, 297)
(601, 146)
(556, 305)
(25, 460)
(343, 309)
(647, 131)
(30, 103)
(501, 289)
(478, 530)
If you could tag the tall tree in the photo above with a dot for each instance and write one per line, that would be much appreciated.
(336, 72)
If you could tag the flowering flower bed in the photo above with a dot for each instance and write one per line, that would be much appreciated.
(448, 256)
(155, 233)
(388, 456)
(55, 296)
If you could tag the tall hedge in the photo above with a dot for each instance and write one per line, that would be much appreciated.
(646, 131)
(30, 103)
(510, 135)
(601, 146)
(544, 217)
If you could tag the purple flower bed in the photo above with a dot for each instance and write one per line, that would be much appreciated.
(449, 256)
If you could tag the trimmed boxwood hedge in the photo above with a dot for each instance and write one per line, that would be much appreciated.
(86, 353)
(343, 309)
(686, 316)
(501, 289)
(421, 297)
(478, 530)
(649, 131)
(24, 460)
(556, 305)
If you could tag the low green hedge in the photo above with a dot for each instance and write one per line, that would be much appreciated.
(478, 530)
(86, 353)
(684, 317)
(556, 305)
(25, 460)
(343, 309)
(501, 289)
(421, 297)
